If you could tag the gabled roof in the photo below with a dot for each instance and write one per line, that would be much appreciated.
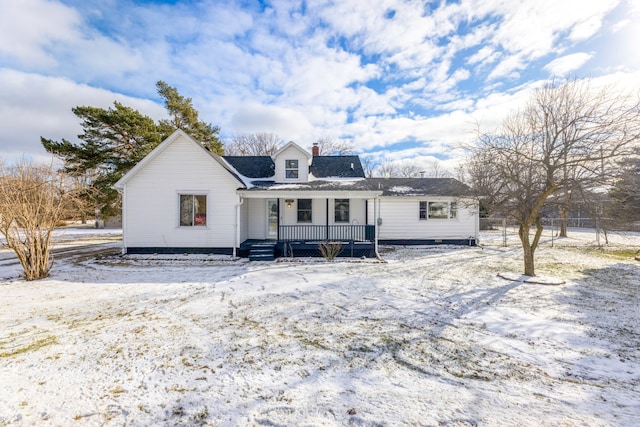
(336, 166)
(262, 167)
(252, 166)
(163, 146)
(291, 144)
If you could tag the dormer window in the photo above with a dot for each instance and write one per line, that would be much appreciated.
(291, 169)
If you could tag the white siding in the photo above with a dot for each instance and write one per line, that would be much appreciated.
(152, 200)
(289, 216)
(401, 220)
(257, 218)
(244, 221)
(357, 211)
(292, 153)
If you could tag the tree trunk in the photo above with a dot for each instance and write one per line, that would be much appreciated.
(529, 247)
(564, 215)
(529, 264)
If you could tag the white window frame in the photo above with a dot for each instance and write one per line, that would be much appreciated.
(424, 208)
(336, 202)
(310, 221)
(291, 169)
(193, 195)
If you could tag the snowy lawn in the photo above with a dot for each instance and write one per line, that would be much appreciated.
(432, 336)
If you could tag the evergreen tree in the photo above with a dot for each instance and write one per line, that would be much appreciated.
(623, 207)
(115, 139)
(185, 117)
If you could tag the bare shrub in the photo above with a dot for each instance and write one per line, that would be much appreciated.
(33, 200)
(330, 250)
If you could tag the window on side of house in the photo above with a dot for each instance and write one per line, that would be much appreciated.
(423, 210)
(291, 169)
(193, 210)
(341, 210)
(437, 210)
(304, 210)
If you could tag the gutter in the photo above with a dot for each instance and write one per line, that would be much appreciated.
(237, 225)
(123, 191)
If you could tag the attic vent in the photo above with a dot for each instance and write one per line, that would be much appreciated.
(352, 168)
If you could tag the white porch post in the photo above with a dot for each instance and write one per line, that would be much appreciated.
(376, 202)
(237, 233)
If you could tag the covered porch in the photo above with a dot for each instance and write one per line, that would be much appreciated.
(296, 223)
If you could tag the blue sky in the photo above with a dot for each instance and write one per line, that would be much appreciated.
(400, 80)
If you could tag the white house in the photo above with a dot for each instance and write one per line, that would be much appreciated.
(183, 198)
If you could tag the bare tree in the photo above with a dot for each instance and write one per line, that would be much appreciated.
(253, 144)
(33, 200)
(368, 166)
(398, 169)
(328, 146)
(567, 136)
(435, 170)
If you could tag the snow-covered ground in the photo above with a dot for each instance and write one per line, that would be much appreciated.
(430, 337)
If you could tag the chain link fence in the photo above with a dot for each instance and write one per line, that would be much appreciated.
(605, 224)
(505, 231)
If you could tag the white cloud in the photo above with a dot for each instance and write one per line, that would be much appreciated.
(485, 55)
(289, 124)
(29, 27)
(32, 106)
(584, 30)
(565, 64)
(532, 27)
(620, 25)
(509, 68)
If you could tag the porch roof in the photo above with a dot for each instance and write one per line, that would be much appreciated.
(360, 188)
(309, 190)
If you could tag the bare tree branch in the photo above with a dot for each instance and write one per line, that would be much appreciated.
(253, 144)
(328, 146)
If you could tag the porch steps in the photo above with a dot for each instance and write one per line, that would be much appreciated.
(262, 252)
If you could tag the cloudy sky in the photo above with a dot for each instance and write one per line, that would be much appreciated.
(398, 79)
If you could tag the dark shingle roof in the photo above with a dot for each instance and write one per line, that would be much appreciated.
(388, 186)
(336, 166)
(252, 166)
(418, 186)
(321, 166)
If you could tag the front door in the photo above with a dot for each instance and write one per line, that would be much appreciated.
(272, 219)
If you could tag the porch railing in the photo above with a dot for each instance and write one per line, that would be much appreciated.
(356, 232)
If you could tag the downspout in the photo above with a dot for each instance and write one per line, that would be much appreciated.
(376, 219)
(122, 192)
(477, 223)
(237, 243)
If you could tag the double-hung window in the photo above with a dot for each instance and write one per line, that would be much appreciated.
(341, 210)
(193, 210)
(291, 169)
(437, 210)
(304, 210)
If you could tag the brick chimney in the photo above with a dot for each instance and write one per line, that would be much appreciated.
(315, 150)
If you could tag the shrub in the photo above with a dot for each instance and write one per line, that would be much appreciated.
(330, 250)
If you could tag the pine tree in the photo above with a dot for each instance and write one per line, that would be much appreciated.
(185, 117)
(115, 139)
(623, 207)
